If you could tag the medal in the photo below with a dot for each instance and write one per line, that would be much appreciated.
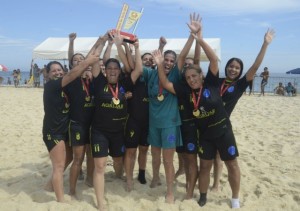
(88, 98)
(86, 87)
(196, 112)
(160, 97)
(116, 101)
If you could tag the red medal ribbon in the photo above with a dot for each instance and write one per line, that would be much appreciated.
(160, 89)
(114, 93)
(86, 86)
(196, 104)
(224, 88)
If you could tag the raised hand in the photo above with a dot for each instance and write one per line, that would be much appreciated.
(157, 57)
(72, 36)
(117, 38)
(162, 41)
(195, 23)
(270, 34)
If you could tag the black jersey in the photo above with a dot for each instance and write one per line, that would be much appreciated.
(108, 116)
(138, 105)
(56, 108)
(81, 95)
(212, 120)
(232, 92)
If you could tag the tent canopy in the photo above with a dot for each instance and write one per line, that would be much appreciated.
(54, 48)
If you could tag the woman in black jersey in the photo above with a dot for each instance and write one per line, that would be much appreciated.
(56, 118)
(232, 88)
(110, 116)
(206, 105)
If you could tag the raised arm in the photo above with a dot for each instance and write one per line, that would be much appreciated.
(162, 44)
(212, 57)
(80, 68)
(163, 79)
(138, 67)
(72, 37)
(97, 49)
(128, 52)
(107, 52)
(197, 53)
(267, 40)
(194, 26)
(118, 40)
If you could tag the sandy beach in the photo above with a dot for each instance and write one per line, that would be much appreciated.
(267, 130)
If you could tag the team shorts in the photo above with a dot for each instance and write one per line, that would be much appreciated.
(51, 140)
(79, 135)
(107, 143)
(225, 144)
(165, 138)
(189, 138)
(136, 133)
(264, 83)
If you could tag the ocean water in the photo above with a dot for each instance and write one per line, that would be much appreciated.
(273, 81)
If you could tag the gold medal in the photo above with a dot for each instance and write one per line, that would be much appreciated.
(160, 97)
(67, 105)
(116, 101)
(88, 98)
(196, 112)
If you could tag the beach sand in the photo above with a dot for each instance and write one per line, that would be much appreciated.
(267, 130)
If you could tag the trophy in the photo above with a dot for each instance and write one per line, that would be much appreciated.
(131, 19)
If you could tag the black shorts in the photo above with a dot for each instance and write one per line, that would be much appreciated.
(79, 135)
(136, 133)
(189, 138)
(225, 144)
(107, 143)
(51, 140)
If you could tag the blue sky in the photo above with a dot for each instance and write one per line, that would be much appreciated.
(241, 25)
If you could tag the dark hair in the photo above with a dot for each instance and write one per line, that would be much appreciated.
(113, 60)
(170, 52)
(238, 61)
(194, 67)
(265, 68)
(146, 54)
(71, 61)
(51, 63)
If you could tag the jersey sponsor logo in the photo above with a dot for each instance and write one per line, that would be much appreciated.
(231, 150)
(88, 105)
(56, 141)
(171, 138)
(111, 105)
(96, 148)
(131, 133)
(48, 137)
(206, 93)
(105, 89)
(191, 146)
(230, 89)
(146, 99)
(204, 113)
(200, 150)
(77, 136)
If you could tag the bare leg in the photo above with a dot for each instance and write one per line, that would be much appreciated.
(118, 166)
(168, 156)
(98, 181)
(58, 159)
(90, 166)
(191, 174)
(234, 177)
(205, 167)
(180, 170)
(142, 160)
(156, 161)
(218, 167)
(130, 156)
(76, 167)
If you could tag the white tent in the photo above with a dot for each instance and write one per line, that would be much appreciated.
(55, 48)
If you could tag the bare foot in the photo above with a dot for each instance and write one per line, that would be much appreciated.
(129, 186)
(88, 182)
(214, 188)
(169, 199)
(155, 183)
(48, 187)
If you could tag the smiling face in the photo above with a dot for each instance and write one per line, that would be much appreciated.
(56, 71)
(194, 77)
(77, 58)
(147, 60)
(113, 72)
(234, 68)
(169, 62)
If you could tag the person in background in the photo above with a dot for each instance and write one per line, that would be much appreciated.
(36, 75)
(290, 89)
(279, 90)
(265, 76)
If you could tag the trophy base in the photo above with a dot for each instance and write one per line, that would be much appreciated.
(130, 38)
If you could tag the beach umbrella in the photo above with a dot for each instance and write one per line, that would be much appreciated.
(3, 68)
(294, 71)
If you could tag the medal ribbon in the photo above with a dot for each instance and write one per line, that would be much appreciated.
(196, 104)
(160, 89)
(224, 88)
(86, 86)
(114, 93)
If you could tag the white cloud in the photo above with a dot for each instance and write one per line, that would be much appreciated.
(6, 41)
